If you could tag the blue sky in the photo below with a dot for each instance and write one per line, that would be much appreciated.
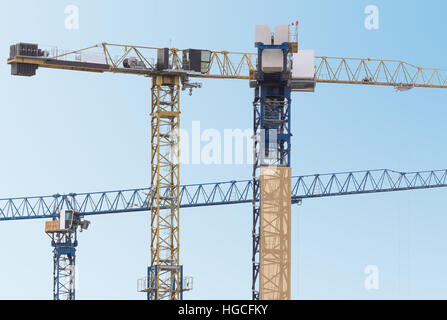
(74, 132)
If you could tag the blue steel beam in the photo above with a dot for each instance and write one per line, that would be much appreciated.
(221, 193)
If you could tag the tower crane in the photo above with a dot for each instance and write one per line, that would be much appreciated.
(63, 233)
(219, 193)
(280, 69)
(191, 196)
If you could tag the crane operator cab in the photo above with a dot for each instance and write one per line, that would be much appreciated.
(280, 59)
(68, 221)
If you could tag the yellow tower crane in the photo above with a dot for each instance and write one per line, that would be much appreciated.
(171, 70)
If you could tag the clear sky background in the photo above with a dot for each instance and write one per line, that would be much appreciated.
(75, 132)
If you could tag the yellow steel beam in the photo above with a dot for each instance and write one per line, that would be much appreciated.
(165, 280)
(379, 72)
(44, 63)
(239, 65)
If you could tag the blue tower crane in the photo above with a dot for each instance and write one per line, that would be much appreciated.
(273, 83)
(63, 233)
(271, 127)
(76, 206)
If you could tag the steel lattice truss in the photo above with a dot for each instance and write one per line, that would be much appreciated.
(239, 65)
(164, 276)
(221, 193)
(378, 72)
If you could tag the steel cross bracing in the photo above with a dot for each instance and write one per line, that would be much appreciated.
(164, 280)
(64, 262)
(220, 193)
(271, 127)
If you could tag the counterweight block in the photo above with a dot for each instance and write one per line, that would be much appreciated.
(24, 50)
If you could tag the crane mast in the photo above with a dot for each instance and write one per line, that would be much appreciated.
(63, 231)
(64, 265)
(271, 168)
(165, 274)
(280, 69)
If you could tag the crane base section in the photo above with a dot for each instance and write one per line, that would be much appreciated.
(149, 284)
(275, 249)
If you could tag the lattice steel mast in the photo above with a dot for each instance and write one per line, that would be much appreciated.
(64, 265)
(272, 149)
(165, 273)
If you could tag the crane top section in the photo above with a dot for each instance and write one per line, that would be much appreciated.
(68, 222)
(279, 60)
(282, 34)
(25, 59)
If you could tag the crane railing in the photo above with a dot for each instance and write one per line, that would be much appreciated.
(222, 64)
(108, 57)
(221, 193)
(237, 65)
